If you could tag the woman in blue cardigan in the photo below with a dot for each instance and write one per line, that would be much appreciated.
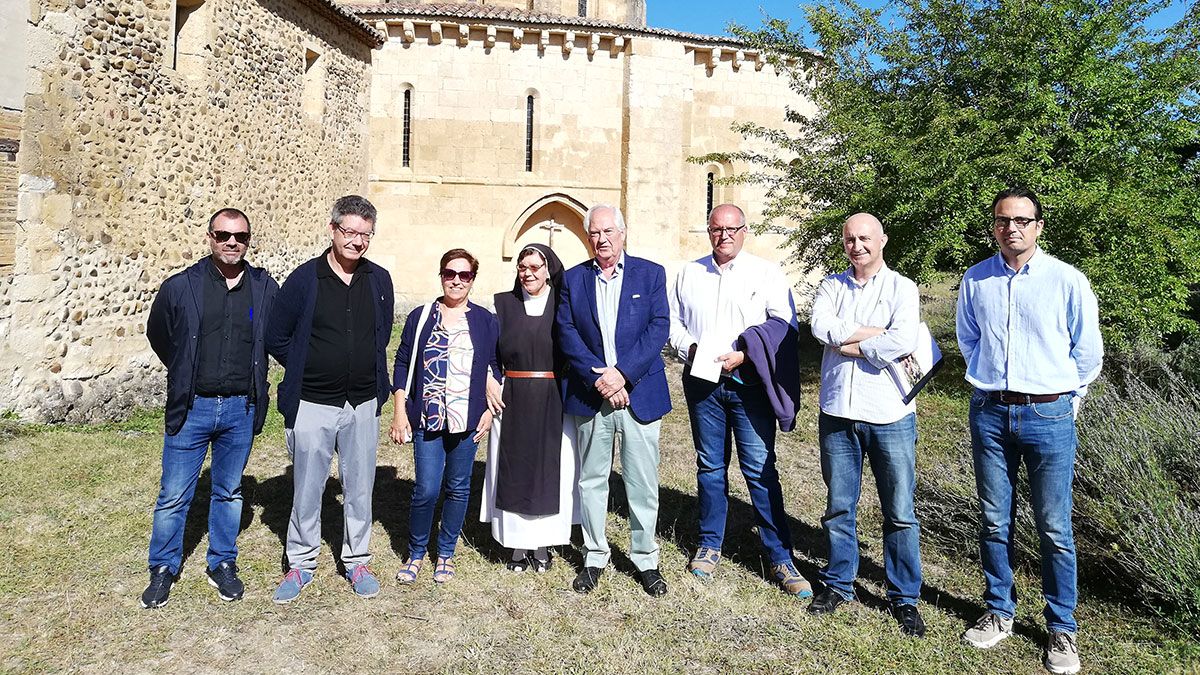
(442, 406)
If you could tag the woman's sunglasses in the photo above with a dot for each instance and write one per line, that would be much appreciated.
(464, 276)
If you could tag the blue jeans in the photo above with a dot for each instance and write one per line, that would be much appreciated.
(228, 424)
(1042, 435)
(891, 449)
(441, 459)
(716, 410)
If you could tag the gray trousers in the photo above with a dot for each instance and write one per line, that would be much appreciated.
(639, 471)
(320, 431)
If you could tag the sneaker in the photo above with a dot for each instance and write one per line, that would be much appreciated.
(909, 619)
(224, 578)
(364, 583)
(988, 631)
(653, 582)
(1062, 653)
(587, 579)
(159, 590)
(289, 589)
(789, 579)
(704, 563)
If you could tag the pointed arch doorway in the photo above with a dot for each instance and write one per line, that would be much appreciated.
(555, 220)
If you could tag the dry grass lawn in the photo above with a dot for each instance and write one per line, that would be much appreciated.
(75, 507)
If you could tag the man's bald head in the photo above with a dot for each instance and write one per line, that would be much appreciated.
(863, 239)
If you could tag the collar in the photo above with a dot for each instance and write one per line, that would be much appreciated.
(848, 276)
(1035, 262)
(216, 275)
(325, 270)
(620, 264)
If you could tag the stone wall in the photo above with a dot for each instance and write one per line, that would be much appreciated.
(124, 155)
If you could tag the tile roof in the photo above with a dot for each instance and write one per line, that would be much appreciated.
(456, 11)
(344, 16)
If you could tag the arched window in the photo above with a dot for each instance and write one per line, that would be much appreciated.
(406, 155)
(529, 132)
(711, 189)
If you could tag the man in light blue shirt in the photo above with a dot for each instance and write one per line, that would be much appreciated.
(1029, 330)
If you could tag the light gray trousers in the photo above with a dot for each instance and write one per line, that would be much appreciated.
(320, 431)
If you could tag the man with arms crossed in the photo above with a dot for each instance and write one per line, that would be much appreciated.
(714, 300)
(1029, 330)
(612, 324)
(207, 326)
(868, 317)
(330, 332)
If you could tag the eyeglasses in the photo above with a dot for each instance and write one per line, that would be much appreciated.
(223, 236)
(532, 269)
(352, 234)
(725, 231)
(1001, 222)
(466, 276)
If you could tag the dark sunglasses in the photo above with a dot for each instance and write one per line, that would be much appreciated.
(464, 276)
(223, 236)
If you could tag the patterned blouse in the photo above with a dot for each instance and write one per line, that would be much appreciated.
(446, 383)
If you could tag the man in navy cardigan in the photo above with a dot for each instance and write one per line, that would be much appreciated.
(202, 327)
(330, 332)
(612, 324)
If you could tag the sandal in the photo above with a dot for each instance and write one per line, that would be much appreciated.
(541, 565)
(409, 571)
(443, 571)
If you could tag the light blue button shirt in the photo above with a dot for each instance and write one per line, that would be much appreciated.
(1034, 331)
(608, 302)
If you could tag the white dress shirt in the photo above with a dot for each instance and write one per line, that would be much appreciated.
(862, 389)
(719, 304)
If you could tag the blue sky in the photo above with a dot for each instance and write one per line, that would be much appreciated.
(710, 17)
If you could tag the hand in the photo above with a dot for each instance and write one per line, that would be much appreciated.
(610, 381)
(485, 423)
(401, 431)
(495, 396)
(850, 350)
(731, 360)
(692, 353)
(619, 400)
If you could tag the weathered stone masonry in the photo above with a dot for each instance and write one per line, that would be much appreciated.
(123, 157)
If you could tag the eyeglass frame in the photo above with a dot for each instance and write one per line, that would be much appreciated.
(1002, 222)
(222, 236)
(353, 234)
(724, 231)
(465, 276)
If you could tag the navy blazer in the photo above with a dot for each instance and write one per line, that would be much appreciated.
(173, 330)
(643, 322)
(290, 328)
(485, 334)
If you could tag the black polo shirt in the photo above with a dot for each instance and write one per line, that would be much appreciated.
(340, 366)
(226, 337)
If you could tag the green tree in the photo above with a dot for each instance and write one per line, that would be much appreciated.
(929, 107)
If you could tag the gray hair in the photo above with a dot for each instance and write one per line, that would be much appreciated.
(352, 205)
(618, 218)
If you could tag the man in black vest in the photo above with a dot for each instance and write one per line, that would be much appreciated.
(207, 327)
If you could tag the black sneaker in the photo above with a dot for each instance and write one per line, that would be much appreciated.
(587, 579)
(159, 590)
(910, 620)
(653, 583)
(224, 578)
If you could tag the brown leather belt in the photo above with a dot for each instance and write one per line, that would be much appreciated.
(1017, 398)
(530, 374)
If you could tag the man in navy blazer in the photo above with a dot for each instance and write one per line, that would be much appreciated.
(207, 327)
(612, 323)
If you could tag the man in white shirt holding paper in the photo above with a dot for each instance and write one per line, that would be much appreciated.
(715, 300)
(868, 318)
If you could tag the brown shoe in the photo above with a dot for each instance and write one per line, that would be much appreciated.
(789, 579)
(704, 563)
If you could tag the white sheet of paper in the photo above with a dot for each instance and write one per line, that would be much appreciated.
(705, 365)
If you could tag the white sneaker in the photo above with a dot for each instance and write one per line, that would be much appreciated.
(1062, 653)
(988, 631)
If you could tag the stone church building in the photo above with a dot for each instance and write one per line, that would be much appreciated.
(484, 124)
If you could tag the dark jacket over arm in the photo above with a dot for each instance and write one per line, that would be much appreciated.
(173, 330)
